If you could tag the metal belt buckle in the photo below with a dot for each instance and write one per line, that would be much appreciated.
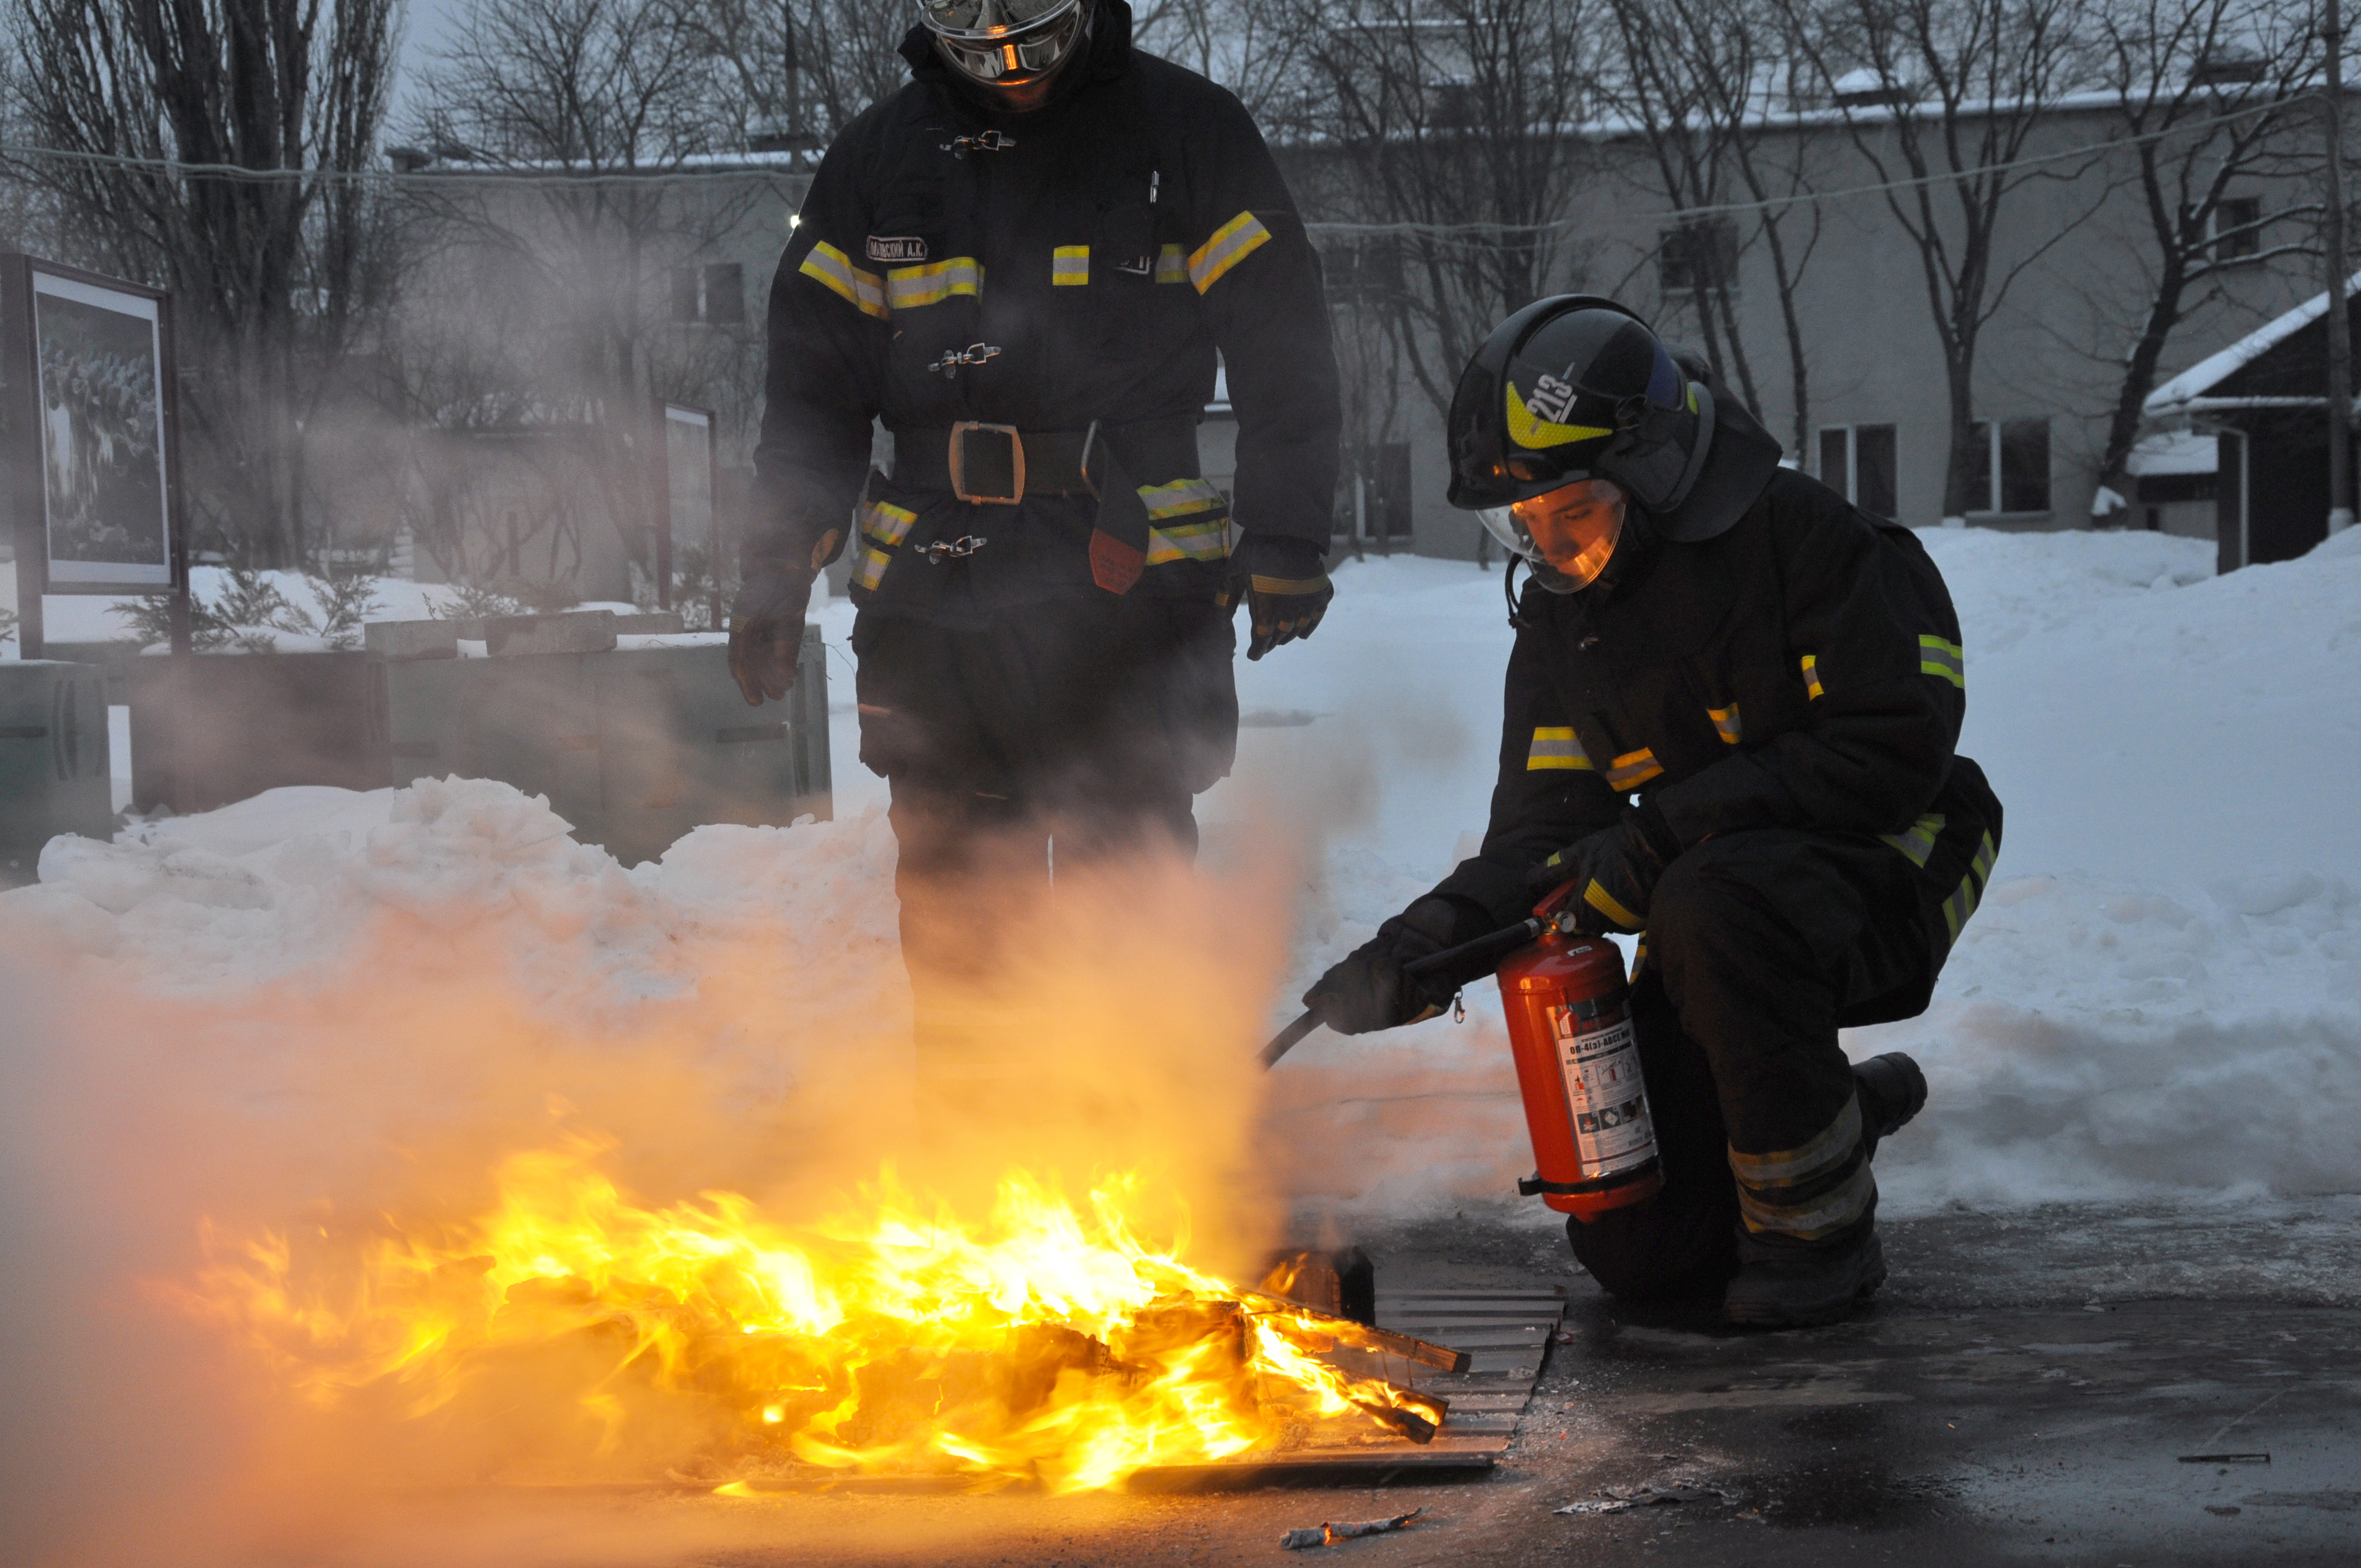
(960, 432)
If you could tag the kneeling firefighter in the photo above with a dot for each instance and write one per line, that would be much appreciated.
(1729, 723)
(1025, 263)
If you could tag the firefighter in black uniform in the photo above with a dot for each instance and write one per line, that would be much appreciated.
(1025, 262)
(1731, 716)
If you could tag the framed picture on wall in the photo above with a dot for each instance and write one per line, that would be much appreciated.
(91, 430)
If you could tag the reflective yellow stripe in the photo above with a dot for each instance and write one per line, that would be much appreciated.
(1599, 898)
(1556, 747)
(1812, 674)
(873, 562)
(1069, 265)
(1824, 1150)
(1725, 723)
(1169, 266)
(1189, 542)
(886, 523)
(1180, 497)
(1231, 244)
(908, 288)
(1632, 769)
(1918, 841)
(1946, 660)
(834, 271)
(1971, 890)
(1815, 1217)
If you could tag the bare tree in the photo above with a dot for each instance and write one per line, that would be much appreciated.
(2213, 90)
(1942, 99)
(569, 134)
(804, 68)
(1440, 136)
(206, 139)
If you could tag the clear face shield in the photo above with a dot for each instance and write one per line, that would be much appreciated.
(1568, 534)
(1005, 43)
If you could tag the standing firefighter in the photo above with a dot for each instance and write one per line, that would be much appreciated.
(1731, 716)
(1025, 262)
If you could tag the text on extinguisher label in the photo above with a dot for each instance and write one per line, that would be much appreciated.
(1601, 1064)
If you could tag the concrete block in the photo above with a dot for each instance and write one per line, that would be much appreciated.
(576, 631)
(411, 639)
(648, 623)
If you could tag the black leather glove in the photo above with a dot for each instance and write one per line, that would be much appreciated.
(1368, 990)
(766, 629)
(1614, 871)
(1285, 587)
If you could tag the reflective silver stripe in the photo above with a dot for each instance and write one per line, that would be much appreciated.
(908, 288)
(1812, 674)
(1726, 724)
(1556, 746)
(1633, 769)
(1189, 542)
(872, 569)
(885, 522)
(832, 268)
(1919, 841)
(1069, 265)
(1824, 1215)
(1945, 660)
(1971, 890)
(1180, 497)
(1171, 266)
(1231, 244)
(1829, 1148)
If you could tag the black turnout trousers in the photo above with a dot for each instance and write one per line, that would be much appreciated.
(1761, 945)
(1078, 729)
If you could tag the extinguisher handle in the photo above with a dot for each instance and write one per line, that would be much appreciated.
(1479, 958)
(1467, 961)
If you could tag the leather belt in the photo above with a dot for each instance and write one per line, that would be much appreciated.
(998, 464)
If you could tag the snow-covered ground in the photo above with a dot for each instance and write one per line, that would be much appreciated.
(2161, 996)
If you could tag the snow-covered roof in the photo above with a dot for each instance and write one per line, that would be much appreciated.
(2183, 390)
(2180, 452)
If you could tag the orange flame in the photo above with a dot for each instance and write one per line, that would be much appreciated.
(1044, 1345)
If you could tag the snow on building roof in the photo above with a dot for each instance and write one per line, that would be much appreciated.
(2183, 390)
(2180, 452)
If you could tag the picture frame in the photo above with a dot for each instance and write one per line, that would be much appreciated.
(89, 435)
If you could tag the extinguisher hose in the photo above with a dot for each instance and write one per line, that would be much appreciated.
(1468, 960)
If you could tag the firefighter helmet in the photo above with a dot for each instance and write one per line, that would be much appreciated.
(1576, 387)
(1009, 46)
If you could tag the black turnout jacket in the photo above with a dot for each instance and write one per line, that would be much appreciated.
(1102, 248)
(1802, 670)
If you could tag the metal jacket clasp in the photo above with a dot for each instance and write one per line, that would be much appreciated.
(985, 141)
(973, 354)
(944, 550)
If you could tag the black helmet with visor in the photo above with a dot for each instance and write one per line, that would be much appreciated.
(1576, 387)
(1004, 44)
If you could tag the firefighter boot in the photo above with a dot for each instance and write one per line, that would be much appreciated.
(1892, 1090)
(1789, 1285)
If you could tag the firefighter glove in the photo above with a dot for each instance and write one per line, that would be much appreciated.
(766, 631)
(1368, 990)
(1613, 870)
(1285, 587)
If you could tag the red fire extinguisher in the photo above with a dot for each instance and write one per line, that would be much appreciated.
(1578, 1064)
(1578, 1069)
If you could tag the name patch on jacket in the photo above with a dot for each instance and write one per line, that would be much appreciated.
(897, 247)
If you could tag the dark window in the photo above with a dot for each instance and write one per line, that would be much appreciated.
(2234, 220)
(1452, 104)
(725, 293)
(2226, 71)
(1873, 469)
(2010, 466)
(1835, 460)
(2025, 464)
(1700, 254)
(684, 294)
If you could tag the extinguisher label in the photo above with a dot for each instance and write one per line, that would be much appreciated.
(1612, 1131)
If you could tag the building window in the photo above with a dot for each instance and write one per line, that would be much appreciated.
(2010, 469)
(2235, 221)
(714, 294)
(1857, 462)
(1700, 254)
